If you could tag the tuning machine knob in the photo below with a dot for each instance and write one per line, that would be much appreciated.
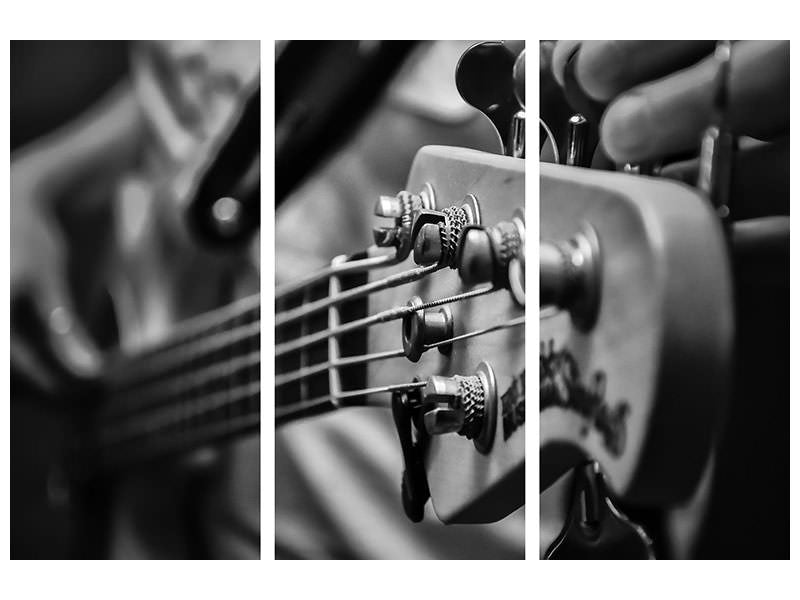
(495, 254)
(426, 327)
(466, 405)
(437, 234)
(570, 276)
(402, 209)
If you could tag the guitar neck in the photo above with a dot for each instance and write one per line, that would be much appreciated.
(199, 386)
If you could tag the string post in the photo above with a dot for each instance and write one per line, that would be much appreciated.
(426, 327)
(466, 405)
(485, 254)
(570, 276)
(436, 234)
(402, 210)
(447, 416)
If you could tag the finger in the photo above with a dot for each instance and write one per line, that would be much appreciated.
(760, 184)
(554, 110)
(605, 69)
(68, 339)
(668, 116)
(563, 51)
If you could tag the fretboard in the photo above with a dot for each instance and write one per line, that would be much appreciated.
(200, 386)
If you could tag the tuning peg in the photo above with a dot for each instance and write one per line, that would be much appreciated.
(485, 78)
(437, 234)
(577, 140)
(389, 206)
(428, 245)
(402, 209)
(569, 276)
(466, 405)
(485, 254)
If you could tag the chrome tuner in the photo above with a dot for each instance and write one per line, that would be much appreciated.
(495, 254)
(426, 327)
(570, 276)
(403, 209)
(437, 234)
(466, 405)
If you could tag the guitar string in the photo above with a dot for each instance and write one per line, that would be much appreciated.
(112, 432)
(200, 324)
(188, 409)
(177, 343)
(179, 415)
(385, 316)
(136, 371)
(170, 387)
(345, 268)
(218, 341)
(291, 315)
(122, 454)
(284, 413)
(142, 364)
(305, 372)
(230, 311)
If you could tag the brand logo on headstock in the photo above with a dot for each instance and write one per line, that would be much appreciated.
(514, 406)
(561, 384)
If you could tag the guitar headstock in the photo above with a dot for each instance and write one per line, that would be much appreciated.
(636, 330)
(482, 479)
(429, 322)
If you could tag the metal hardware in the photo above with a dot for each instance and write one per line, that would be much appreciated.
(486, 254)
(426, 327)
(437, 234)
(718, 145)
(488, 78)
(570, 276)
(403, 209)
(577, 140)
(466, 405)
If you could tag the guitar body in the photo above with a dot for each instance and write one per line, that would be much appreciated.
(643, 388)
(467, 486)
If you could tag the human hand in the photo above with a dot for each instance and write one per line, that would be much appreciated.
(658, 95)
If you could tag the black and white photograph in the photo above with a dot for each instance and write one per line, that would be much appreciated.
(664, 299)
(135, 299)
(400, 300)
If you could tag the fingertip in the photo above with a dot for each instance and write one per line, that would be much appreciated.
(626, 128)
(75, 350)
(600, 69)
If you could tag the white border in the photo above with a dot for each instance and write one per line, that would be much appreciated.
(355, 20)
